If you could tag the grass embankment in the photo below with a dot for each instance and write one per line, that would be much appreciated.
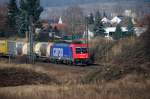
(118, 59)
(126, 88)
(19, 75)
(107, 86)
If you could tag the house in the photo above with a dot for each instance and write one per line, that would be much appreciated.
(105, 20)
(111, 30)
(140, 30)
(116, 20)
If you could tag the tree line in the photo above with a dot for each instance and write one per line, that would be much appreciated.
(17, 18)
(97, 26)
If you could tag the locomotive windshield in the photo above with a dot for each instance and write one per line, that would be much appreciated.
(81, 50)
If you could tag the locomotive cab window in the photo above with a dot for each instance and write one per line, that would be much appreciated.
(81, 50)
(84, 50)
(78, 50)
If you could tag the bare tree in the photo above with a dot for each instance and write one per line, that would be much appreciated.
(74, 18)
(3, 20)
(145, 37)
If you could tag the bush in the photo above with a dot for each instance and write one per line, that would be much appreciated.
(125, 56)
(99, 48)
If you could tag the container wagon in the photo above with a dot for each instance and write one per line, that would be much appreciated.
(3, 47)
(8, 48)
(19, 46)
(40, 49)
(26, 48)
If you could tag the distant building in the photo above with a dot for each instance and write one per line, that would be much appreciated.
(111, 30)
(45, 24)
(140, 30)
(105, 20)
(116, 20)
(60, 21)
(128, 13)
(60, 25)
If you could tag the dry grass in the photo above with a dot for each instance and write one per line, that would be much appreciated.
(131, 86)
(63, 73)
(99, 48)
(17, 76)
(115, 90)
(119, 47)
(126, 52)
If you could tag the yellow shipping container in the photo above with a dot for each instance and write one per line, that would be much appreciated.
(3, 47)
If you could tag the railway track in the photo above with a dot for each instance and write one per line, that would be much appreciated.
(42, 62)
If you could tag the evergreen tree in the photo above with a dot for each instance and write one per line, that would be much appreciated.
(130, 27)
(98, 15)
(12, 14)
(27, 9)
(56, 31)
(98, 25)
(104, 14)
(118, 33)
(91, 19)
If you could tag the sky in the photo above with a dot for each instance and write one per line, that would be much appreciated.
(52, 3)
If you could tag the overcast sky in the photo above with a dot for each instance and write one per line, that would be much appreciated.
(45, 3)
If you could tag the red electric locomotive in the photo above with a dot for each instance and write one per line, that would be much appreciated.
(80, 53)
(76, 54)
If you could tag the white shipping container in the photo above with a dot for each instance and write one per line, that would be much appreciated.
(49, 49)
(19, 46)
(41, 48)
(26, 48)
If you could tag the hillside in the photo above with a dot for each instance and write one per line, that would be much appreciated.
(120, 58)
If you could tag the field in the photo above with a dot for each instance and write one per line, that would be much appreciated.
(52, 81)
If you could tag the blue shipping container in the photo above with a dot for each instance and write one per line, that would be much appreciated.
(61, 51)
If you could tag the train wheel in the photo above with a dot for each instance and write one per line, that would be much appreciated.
(67, 62)
(70, 63)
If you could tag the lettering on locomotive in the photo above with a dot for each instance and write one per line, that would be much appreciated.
(58, 52)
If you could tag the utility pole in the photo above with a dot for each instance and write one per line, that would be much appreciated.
(31, 53)
(86, 33)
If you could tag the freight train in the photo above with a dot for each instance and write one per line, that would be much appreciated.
(62, 52)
